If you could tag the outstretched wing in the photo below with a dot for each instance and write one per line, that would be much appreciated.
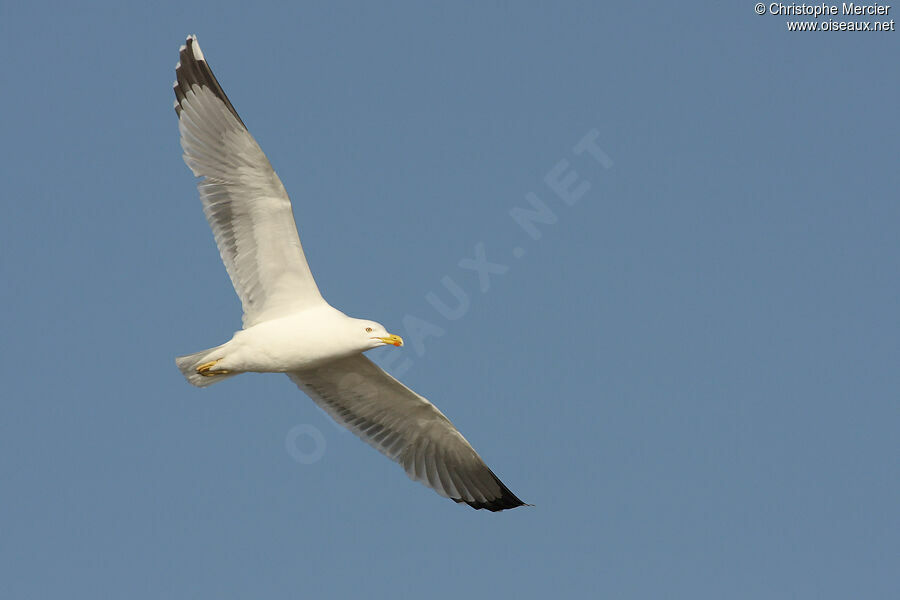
(406, 428)
(245, 203)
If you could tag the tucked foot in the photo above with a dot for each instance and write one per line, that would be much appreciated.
(206, 369)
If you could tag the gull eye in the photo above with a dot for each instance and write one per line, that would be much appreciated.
(368, 330)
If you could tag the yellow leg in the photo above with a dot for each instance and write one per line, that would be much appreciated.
(206, 369)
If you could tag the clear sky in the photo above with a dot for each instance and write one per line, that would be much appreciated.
(688, 364)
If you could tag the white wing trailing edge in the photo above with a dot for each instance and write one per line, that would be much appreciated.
(244, 201)
(406, 428)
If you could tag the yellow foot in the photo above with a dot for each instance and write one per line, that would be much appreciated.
(206, 369)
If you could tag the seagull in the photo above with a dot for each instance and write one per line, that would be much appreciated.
(288, 327)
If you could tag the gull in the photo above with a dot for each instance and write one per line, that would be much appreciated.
(288, 327)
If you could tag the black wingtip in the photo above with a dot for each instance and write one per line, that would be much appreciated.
(506, 500)
(192, 70)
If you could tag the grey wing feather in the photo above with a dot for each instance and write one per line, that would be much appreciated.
(406, 428)
(244, 201)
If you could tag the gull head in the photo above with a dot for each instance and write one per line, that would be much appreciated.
(373, 335)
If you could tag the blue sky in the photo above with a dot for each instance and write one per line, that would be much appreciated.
(692, 372)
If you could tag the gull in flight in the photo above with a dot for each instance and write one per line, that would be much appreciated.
(288, 326)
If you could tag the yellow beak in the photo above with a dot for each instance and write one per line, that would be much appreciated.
(394, 340)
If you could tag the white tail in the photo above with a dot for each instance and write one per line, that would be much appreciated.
(188, 366)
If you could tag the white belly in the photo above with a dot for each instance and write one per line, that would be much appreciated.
(290, 343)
